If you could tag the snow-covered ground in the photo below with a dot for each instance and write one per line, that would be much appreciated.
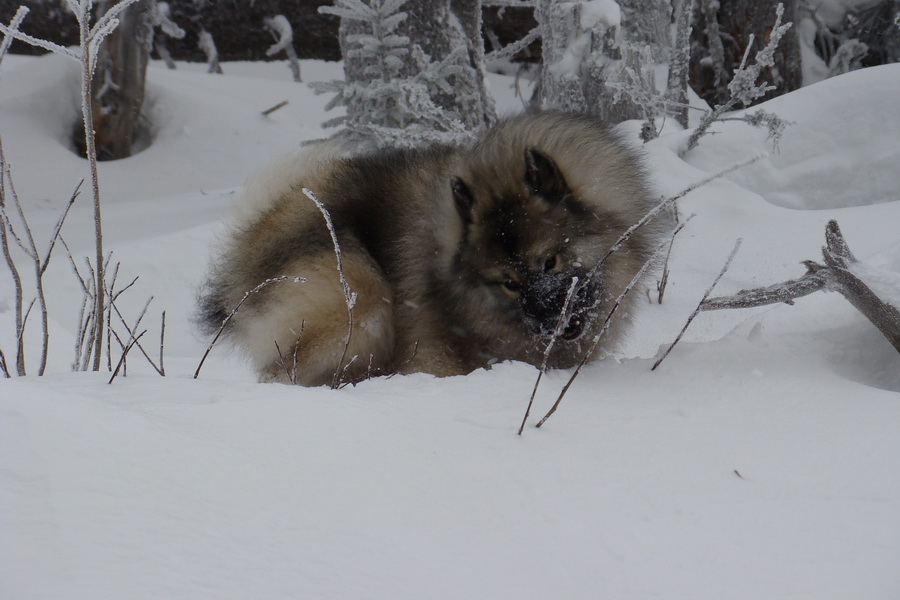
(759, 461)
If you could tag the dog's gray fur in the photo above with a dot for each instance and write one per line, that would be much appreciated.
(460, 257)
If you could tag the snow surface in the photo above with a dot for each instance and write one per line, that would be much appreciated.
(759, 460)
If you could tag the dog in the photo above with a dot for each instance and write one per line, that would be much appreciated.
(452, 258)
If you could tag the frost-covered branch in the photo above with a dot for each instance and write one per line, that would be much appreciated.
(603, 329)
(206, 43)
(349, 296)
(284, 36)
(743, 87)
(841, 272)
(160, 20)
(40, 261)
(13, 26)
(249, 294)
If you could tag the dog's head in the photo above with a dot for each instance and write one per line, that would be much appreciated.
(529, 250)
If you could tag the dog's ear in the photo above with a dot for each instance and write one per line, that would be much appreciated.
(463, 198)
(544, 177)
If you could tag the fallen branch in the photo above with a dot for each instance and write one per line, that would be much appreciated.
(835, 275)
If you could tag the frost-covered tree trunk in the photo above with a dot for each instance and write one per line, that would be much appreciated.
(593, 50)
(722, 33)
(119, 82)
(412, 74)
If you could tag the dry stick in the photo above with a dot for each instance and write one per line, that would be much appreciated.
(349, 297)
(234, 311)
(134, 328)
(835, 275)
(17, 279)
(664, 279)
(269, 111)
(162, 344)
(603, 329)
(292, 372)
(3, 366)
(725, 267)
(124, 354)
(560, 325)
(668, 202)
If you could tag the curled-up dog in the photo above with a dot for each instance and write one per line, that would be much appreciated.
(458, 257)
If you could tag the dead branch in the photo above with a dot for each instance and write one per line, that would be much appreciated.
(3, 366)
(605, 327)
(272, 109)
(124, 354)
(835, 275)
(349, 297)
(234, 311)
(557, 331)
(725, 267)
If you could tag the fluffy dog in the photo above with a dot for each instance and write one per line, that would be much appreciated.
(458, 257)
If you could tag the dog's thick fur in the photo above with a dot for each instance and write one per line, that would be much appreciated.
(459, 257)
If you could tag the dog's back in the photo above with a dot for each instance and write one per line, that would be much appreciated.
(300, 332)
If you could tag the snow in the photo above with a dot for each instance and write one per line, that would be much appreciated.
(758, 461)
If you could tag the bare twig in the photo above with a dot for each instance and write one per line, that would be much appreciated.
(603, 329)
(349, 297)
(130, 345)
(557, 331)
(292, 371)
(737, 246)
(5, 231)
(272, 109)
(234, 311)
(162, 344)
(3, 366)
(664, 278)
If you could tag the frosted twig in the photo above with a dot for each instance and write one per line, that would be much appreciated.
(237, 307)
(664, 278)
(515, 47)
(743, 86)
(349, 297)
(13, 26)
(557, 331)
(206, 43)
(5, 231)
(292, 371)
(3, 366)
(284, 36)
(128, 348)
(737, 246)
(162, 344)
(603, 329)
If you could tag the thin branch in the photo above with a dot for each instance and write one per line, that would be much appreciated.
(3, 366)
(234, 311)
(272, 109)
(737, 246)
(603, 329)
(162, 344)
(124, 354)
(349, 297)
(13, 26)
(557, 331)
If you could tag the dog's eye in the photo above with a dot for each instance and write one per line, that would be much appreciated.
(550, 264)
(511, 285)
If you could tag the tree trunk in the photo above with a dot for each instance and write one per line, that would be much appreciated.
(119, 82)
(582, 52)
